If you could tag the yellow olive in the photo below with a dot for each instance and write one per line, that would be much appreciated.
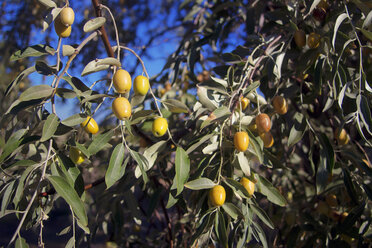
(263, 123)
(122, 81)
(90, 125)
(217, 195)
(61, 30)
(67, 16)
(300, 38)
(248, 185)
(267, 139)
(159, 127)
(343, 216)
(141, 85)
(280, 105)
(121, 108)
(313, 41)
(331, 200)
(241, 141)
(244, 102)
(342, 137)
(76, 155)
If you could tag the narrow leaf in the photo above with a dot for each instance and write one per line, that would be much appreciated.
(50, 127)
(109, 61)
(142, 163)
(68, 50)
(262, 215)
(298, 129)
(94, 24)
(48, 3)
(21, 243)
(339, 20)
(272, 194)
(175, 106)
(42, 91)
(70, 196)
(114, 171)
(33, 51)
(100, 141)
(200, 183)
(12, 143)
(364, 112)
(244, 164)
(232, 210)
(93, 66)
(19, 78)
(74, 120)
(182, 168)
(220, 229)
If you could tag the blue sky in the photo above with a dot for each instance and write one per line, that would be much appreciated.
(161, 49)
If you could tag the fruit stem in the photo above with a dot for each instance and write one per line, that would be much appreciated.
(147, 75)
(221, 152)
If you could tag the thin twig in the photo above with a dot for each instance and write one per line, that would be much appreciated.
(251, 74)
(115, 27)
(72, 57)
(34, 195)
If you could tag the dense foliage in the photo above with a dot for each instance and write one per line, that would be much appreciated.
(256, 131)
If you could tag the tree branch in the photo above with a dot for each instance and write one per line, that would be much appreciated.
(104, 36)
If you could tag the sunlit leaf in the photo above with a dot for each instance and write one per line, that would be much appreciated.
(68, 50)
(50, 127)
(176, 106)
(115, 169)
(21, 243)
(200, 183)
(42, 91)
(232, 210)
(244, 164)
(339, 20)
(100, 141)
(94, 24)
(93, 66)
(48, 3)
(74, 120)
(141, 162)
(109, 61)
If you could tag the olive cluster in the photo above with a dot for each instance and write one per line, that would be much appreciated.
(63, 22)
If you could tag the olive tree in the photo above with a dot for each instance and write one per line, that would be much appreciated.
(264, 135)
